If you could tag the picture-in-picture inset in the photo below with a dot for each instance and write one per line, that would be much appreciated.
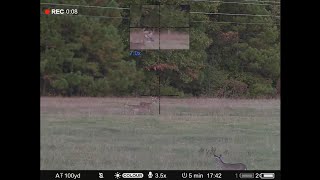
(144, 16)
(174, 38)
(144, 38)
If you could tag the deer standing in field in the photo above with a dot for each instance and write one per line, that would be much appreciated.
(148, 35)
(149, 104)
(148, 38)
(142, 107)
(140, 41)
(227, 166)
(135, 109)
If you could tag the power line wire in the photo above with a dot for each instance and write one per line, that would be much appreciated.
(105, 17)
(277, 2)
(230, 22)
(230, 14)
(87, 6)
(229, 2)
(104, 7)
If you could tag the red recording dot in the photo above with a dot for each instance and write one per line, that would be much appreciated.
(47, 11)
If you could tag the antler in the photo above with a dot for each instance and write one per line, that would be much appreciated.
(213, 152)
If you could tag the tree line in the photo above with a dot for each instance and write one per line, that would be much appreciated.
(231, 56)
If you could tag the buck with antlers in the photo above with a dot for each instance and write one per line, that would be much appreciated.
(227, 166)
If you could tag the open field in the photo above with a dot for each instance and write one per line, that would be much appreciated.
(93, 133)
(174, 40)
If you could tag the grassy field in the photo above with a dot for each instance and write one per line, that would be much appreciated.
(93, 133)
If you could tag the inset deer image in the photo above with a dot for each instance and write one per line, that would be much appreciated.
(142, 38)
(148, 35)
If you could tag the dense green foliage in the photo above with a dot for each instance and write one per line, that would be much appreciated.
(88, 55)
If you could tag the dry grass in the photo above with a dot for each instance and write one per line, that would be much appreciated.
(174, 40)
(93, 133)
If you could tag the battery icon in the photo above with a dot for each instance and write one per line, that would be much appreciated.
(267, 175)
(246, 175)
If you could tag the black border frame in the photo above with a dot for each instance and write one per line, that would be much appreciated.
(24, 149)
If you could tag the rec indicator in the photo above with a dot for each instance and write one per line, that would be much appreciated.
(61, 11)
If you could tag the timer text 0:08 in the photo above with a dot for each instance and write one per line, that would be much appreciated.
(64, 11)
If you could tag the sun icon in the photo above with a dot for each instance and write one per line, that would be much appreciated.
(117, 175)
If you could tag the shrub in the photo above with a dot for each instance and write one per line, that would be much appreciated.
(60, 85)
(262, 90)
(233, 89)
